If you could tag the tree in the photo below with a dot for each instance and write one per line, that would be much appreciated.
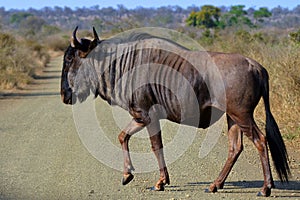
(236, 16)
(277, 11)
(122, 10)
(18, 17)
(32, 25)
(296, 10)
(207, 17)
(192, 19)
(238, 11)
(261, 13)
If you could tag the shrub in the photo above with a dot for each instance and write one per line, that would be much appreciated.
(295, 36)
(57, 42)
(18, 61)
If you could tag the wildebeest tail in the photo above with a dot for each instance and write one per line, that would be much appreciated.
(274, 138)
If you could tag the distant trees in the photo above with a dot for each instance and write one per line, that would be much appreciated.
(16, 18)
(211, 17)
(27, 22)
(32, 25)
(121, 18)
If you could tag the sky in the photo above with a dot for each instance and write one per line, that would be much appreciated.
(130, 4)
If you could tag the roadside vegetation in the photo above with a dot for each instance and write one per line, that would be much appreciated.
(28, 38)
(19, 60)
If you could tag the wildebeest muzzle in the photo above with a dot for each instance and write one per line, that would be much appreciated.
(68, 96)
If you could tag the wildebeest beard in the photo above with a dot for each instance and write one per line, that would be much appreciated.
(85, 82)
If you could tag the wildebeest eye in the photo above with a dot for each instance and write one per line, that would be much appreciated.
(69, 58)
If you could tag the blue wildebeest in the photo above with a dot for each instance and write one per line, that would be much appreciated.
(141, 71)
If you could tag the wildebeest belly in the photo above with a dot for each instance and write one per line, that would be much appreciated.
(204, 119)
(183, 109)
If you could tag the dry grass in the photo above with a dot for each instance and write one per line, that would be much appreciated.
(57, 42)
(19, 60)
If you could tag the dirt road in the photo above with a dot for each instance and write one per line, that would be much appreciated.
(42, 156)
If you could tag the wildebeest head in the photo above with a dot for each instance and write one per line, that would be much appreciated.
(72, 60)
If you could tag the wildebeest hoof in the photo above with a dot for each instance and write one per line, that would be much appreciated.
(127, 178)
(155, 188)
(267, 194)
(260, 194)
(212, 189)
(209, 191)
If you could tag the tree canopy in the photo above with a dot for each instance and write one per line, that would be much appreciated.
(207, 17)
(261, 13)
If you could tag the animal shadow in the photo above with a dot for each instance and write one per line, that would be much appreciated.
(283, 190)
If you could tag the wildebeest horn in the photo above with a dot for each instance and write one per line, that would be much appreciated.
(95, 34)
(75, 43)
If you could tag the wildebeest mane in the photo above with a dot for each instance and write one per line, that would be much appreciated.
(137, 36)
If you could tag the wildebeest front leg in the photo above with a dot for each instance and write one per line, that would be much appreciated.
(157, 147)
(124, 137)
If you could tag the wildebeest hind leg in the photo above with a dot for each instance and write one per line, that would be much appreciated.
(124, 137)
(235, 149)
(259, 140)
(157, 147)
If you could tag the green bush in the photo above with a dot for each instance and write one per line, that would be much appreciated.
(295, 37)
